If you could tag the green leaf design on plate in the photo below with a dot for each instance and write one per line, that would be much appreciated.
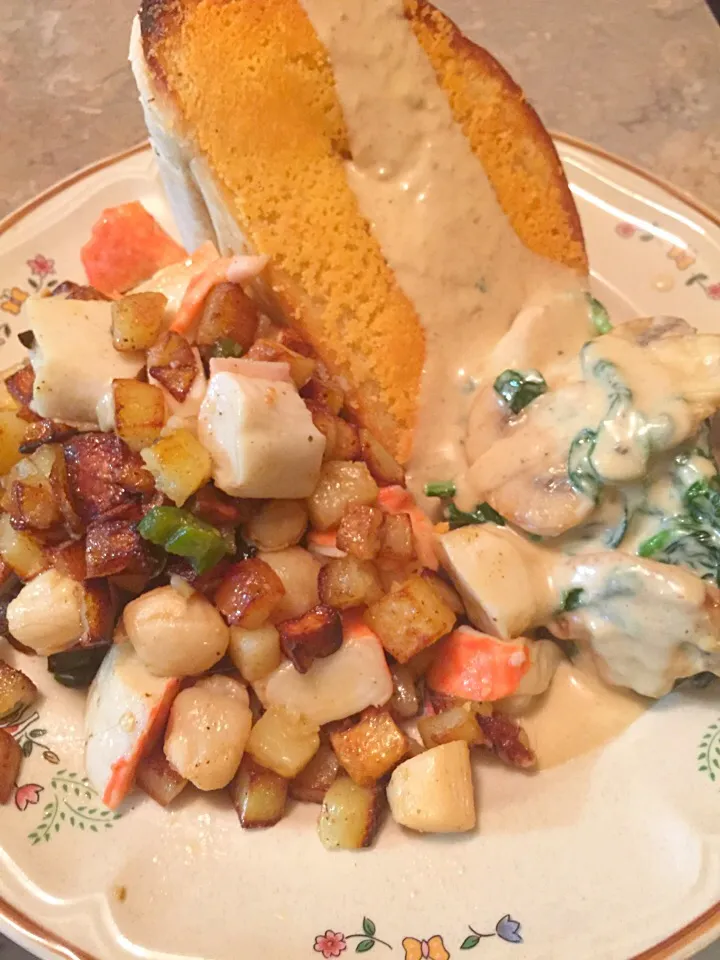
(708, 755)
(368, 927)
(364, 946)
(469, 943)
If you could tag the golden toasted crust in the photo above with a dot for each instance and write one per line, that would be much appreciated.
(256, 90)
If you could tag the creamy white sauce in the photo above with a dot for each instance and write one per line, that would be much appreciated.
(440, 226)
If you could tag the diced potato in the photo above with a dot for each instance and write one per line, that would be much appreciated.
(12, 434)
(405, 702)
(314, 781)
(277, 524)
(506, 738)
(381, 464)
(371, 748)
(326, 422)
(10, 758)
(255, 653)
(7, 400)
(69, 559)
(448, 593)
(258, 795)
(16, 690)
(228, 313)
(31, 504)
(137, 320)
(115, 546)
(343, 484)
(283, 741)
(433, 792)
(410, 618)
(289, 337)
(396, 538)
(215, 507)
(324, 394)
(21, 551)
(249, 593)
(20, 384)
(139, 412)
(359, 532)
(316, 634)
(179, 463)
(158, 778)
(347, 441)
(301, 368)
(457, 723)
(346, 582)
(172, 362)
(349, 816)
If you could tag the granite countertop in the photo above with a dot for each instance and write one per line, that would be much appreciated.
(640, 79)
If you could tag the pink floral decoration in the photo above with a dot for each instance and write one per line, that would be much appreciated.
(330, 944)
(41, 266)
(28, 793)
(624, 230)
(713, 291)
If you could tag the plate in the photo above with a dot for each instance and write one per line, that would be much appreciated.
(614, 855)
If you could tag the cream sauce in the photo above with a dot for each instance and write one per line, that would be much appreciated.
(578, 714)
(440, 226)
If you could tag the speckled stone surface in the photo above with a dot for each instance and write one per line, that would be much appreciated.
(638, 77)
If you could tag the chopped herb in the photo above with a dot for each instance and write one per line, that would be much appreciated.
(182, 534)
(519, 389)
(654, 544)
(581, 472)
(226, 347)
(572, 599)
(703, 502)
(599, 317)
(483, 513)
(440, 489)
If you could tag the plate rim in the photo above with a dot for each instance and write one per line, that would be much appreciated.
(13, 919)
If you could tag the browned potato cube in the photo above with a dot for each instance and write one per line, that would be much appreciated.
(326, 422)
(258, 795)
(21, 551)
(314, 635)
(172, 363)
(381, 464)
(228, 313)
(324, 394)
(507, 740)
(249, 593)
(350, 815)
(139, 412)
(410, 618)
(158, 778)
(10, 758)
(137, 320)
(347, 441)
(20, 385)
(283, 741)
(277, 524)
(295, 341)
(346, 582)
(301, 368)
(359, 532)
(16, 690)
(448, 593)
(342, 484)
(396, 538)
(458, 723)
(12, 434)
(372, 747)
(314, 781)
(31, 504)
(179, 463)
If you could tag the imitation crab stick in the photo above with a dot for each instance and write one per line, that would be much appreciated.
(476, 666)
(127, 245)
(125, 712)
(238, 269)
(397, 499)
(323, 543)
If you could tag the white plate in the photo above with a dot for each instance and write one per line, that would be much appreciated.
(609, 856)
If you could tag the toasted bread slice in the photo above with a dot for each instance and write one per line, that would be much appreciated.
(247, 86)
